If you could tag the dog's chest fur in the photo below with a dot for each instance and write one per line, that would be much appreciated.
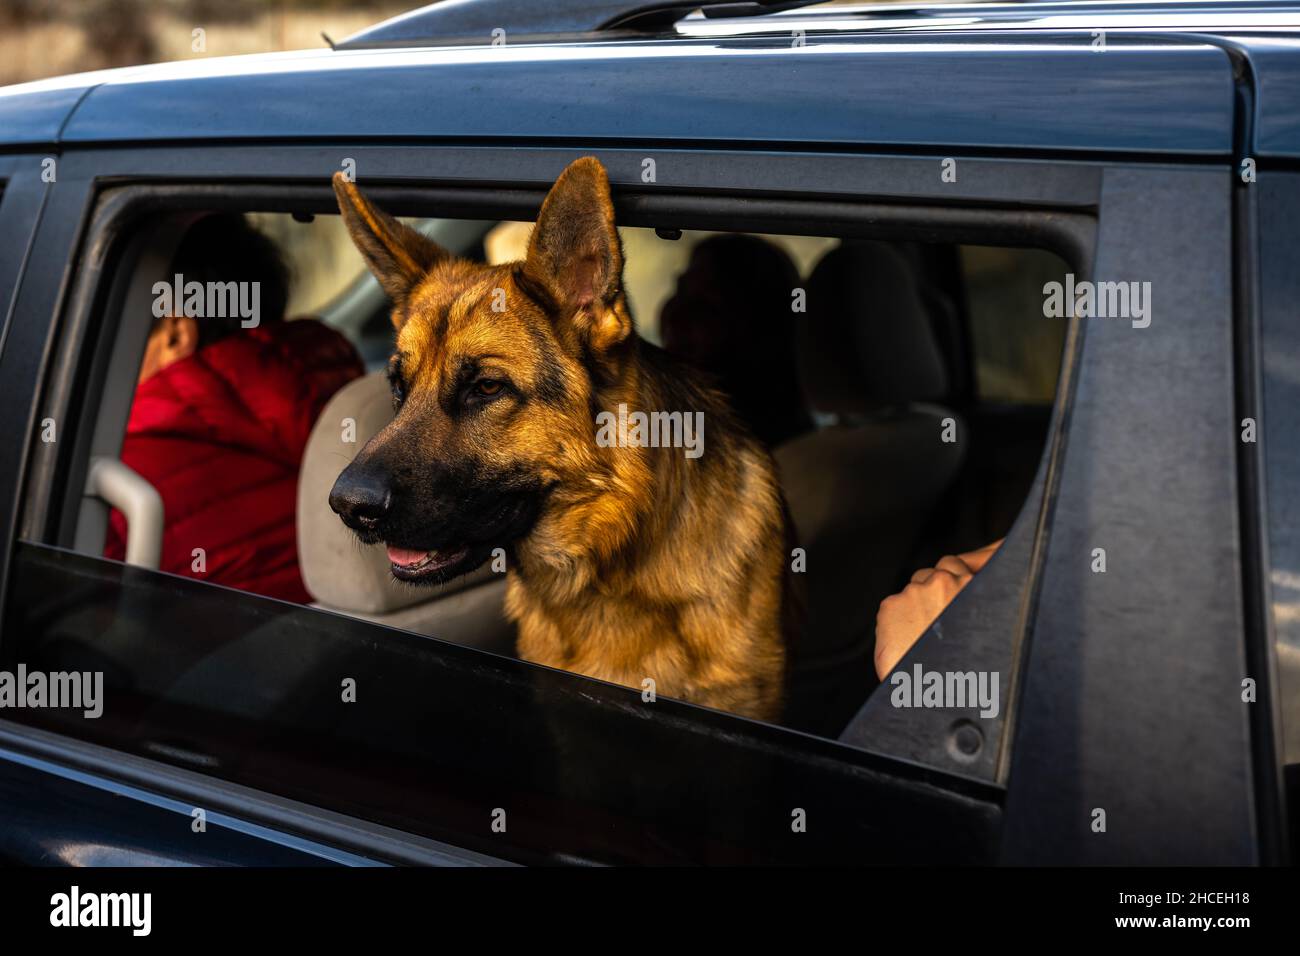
(692, 598)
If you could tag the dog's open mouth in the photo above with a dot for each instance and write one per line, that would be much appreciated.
(462, 547)
(409, 565)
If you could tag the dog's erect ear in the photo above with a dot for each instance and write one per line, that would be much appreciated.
(397, 254)
(575, 255)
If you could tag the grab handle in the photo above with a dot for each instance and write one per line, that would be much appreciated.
(113, 482)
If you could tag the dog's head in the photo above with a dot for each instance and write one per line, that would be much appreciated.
(494, 376)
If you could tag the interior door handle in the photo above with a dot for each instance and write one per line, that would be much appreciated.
(113, 482)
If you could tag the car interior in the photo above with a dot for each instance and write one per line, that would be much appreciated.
(920, 379)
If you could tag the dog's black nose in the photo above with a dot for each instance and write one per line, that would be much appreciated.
(361, 498)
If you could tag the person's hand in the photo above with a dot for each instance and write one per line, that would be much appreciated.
(903, 617)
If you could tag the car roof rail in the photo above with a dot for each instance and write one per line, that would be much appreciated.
(451, 22)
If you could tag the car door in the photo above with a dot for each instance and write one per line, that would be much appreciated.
(394, 746)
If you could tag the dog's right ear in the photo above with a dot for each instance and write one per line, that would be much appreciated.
(398, 255)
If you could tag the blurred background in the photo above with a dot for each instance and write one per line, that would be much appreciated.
(43, 38)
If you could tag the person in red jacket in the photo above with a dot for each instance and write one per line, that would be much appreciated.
(222, 413)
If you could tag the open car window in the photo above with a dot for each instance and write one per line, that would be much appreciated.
(864, 367)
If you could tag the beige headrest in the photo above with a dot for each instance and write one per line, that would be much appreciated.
(339, 570)
(868, 339)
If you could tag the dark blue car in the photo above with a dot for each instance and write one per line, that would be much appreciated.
(1067, 251)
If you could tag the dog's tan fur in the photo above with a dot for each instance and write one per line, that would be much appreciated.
(642, 563)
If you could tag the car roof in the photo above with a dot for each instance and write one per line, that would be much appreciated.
(1023, 77)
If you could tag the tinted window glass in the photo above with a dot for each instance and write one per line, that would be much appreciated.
(441, 737)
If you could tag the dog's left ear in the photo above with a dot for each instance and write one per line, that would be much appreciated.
(574, 254)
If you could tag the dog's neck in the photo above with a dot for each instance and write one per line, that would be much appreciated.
(636, 496)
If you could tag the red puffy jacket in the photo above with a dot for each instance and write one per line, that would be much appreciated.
(221, 434)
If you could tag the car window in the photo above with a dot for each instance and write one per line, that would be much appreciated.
(846, 359)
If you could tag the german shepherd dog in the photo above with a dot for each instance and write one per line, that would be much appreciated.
(625, 562)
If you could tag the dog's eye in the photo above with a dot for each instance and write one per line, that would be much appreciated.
(483, 391)
(395, 381)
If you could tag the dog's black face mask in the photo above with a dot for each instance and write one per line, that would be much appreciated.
(465, 466)
(439, 520)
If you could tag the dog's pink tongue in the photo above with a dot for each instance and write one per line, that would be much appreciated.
(405, 556)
